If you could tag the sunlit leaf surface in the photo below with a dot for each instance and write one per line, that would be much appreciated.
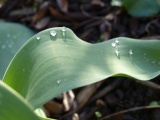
(55, 60)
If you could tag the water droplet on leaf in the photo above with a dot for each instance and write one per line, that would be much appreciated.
(53, 33)
(63, 30)
(130, 52)
(114, 45)
(117, 52)
(38, 38)
(58, 81)
(117, 41)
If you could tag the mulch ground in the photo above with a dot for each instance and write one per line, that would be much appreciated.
(93, 21)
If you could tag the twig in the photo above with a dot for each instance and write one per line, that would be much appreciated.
(149, 24)
(129, 110)
(107, 89)
(89, 15)
(152, 37)
(149, 84)
(85, 94)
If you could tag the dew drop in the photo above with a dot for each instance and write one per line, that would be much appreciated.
(114, 45)
(53, 33)
(117, 41)
(58, 81)
(38, 38)
(130, 52)
(117, 52)
(63, 30)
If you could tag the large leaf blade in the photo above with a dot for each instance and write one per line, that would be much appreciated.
(53, 64)
(139, 8)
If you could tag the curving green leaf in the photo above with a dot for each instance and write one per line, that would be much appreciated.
(45, 67)
(13, 106)
(139, 8)
(12, 37)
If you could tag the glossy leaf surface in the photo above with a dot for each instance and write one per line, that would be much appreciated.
(55, 60)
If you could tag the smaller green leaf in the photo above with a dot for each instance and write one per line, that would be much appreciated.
(13, 106)
(12, 37)
(139, 8)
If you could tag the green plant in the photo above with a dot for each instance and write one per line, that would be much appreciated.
(56, 60)
(10, 42)
(139, 8)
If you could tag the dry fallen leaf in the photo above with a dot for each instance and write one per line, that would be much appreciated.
(63, 5)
